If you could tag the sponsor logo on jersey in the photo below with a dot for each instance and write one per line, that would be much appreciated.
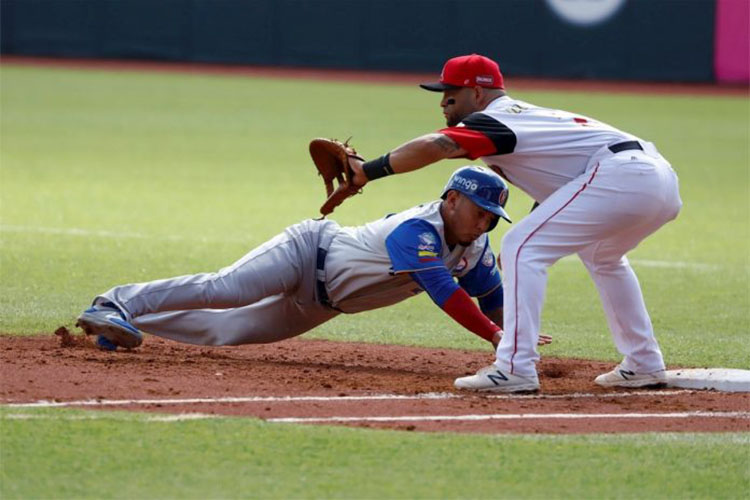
(488, 260)
(467, 184)
(516, 109)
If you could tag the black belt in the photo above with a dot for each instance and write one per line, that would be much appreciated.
(320, 283)
(625, 146)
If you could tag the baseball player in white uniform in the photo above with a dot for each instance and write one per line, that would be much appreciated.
(317, 269)
(600, 191)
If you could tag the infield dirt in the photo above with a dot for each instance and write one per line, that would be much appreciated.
(67, 369)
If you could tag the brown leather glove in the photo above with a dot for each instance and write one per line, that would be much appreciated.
(331, 157)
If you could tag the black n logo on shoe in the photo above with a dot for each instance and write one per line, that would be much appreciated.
(497, 378)
(626, 374)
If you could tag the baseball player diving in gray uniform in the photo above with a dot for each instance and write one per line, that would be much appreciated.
(316, 270)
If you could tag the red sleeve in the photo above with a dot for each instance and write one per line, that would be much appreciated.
(475, 143)
(461, 308)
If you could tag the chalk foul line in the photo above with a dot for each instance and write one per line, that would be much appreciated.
(182, 417)
(509, 416)
(370, 397)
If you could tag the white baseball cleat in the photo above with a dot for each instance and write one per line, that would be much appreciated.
(620, 377)
(492, 379)
(110, 323)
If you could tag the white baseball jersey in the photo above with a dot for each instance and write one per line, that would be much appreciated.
(601, 192)
(367, 266)
(536, 149)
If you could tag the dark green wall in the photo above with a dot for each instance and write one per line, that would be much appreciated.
(644, 40)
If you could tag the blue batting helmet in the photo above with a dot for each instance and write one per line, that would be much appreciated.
(483, 187)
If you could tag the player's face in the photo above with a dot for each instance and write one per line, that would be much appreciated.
(457, 104)
(465, 221)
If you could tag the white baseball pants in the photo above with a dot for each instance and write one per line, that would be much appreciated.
(266, 296)
(607, 211)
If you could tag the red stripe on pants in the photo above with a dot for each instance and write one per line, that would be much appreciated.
(518, 252)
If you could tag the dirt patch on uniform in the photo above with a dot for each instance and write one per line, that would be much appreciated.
(357, 384)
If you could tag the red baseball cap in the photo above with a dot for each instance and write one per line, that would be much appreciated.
(468, 71)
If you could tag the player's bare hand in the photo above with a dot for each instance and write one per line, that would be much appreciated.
(496, 338)
(358, 179)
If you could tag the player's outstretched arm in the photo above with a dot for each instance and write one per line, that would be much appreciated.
(455, 302)
(424, 151)
(412, 155)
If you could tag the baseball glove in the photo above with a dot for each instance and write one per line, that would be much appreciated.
(332, 159)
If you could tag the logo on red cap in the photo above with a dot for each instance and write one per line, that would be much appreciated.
(468, 71)
(485, 80)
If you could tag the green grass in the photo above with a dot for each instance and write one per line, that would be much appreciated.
(120, 455)
(108, 178)
(171, 174)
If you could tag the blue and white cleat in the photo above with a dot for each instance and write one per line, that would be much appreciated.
(105, 344)
(108, 322)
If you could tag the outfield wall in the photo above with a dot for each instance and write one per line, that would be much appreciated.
(732, 61)
(659, 40)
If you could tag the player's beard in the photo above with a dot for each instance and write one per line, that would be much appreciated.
(454, 119)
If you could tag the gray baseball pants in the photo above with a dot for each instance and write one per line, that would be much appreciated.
(268, 295)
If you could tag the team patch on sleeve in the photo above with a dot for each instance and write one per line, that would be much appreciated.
(414, 245)
(427, 246)
(488, 260)
(484, 277)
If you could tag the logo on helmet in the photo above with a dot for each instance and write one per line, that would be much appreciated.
(503, 197)
(467, 184)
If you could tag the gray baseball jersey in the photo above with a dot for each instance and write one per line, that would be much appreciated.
(305, 276)
(362, 273)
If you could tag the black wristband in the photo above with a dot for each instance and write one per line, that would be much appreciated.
(377, 168)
